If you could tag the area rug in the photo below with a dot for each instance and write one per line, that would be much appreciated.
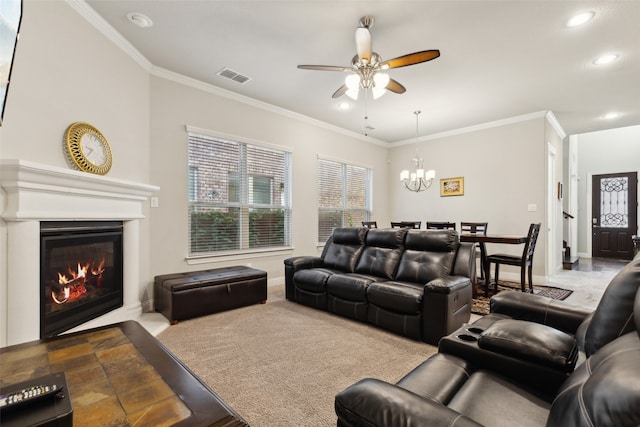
(481, 303)
(280, 364)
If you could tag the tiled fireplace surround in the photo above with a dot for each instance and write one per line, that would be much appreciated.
(35, 193)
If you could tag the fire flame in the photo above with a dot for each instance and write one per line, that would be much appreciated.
(73, 287)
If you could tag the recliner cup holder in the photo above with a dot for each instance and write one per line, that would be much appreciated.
(475, 330)
(465, 337)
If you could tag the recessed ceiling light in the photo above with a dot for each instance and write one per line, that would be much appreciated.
(580, 19)
(610, 116)
(139, 19)
(606, 59)
(344, 106)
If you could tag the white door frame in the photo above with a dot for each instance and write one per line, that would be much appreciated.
(552, 212)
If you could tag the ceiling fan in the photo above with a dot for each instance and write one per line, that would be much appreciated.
(366, 70)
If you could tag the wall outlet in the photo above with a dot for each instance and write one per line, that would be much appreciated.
(154, 202)
(532, 207)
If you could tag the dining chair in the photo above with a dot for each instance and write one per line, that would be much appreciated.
(406, 224)
(370, 224)
(525, 261)
(480, 228)
(441, 225)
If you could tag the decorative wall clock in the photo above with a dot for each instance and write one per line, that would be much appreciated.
(88, 149)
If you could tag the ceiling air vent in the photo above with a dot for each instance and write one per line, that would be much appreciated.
(232, 75)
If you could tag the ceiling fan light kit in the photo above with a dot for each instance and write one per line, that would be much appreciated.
(367, 71)
(366, 66)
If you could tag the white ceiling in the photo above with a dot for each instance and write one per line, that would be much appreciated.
(499, 59)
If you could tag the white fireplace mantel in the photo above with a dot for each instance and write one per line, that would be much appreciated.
(35, 193)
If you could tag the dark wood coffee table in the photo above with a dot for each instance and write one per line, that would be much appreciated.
(120, 375)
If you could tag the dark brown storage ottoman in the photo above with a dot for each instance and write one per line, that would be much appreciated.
(197, 293)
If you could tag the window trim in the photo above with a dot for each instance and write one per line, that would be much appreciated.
(344, 164)
(236, 138)
(243, 253)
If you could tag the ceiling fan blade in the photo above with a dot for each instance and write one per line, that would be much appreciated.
(363, 44)
(411, 59)
(341, 91)
(324, 67)
(395, 87)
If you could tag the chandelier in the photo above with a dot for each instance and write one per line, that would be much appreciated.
(417, 179)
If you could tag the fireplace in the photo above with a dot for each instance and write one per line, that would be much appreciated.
(34, 194)
(80, 272)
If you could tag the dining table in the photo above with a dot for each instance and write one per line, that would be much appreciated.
(482, 239)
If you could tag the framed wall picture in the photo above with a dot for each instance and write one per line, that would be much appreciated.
(452, 186)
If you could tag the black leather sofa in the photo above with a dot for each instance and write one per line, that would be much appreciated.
(509, 374)
(415, 283)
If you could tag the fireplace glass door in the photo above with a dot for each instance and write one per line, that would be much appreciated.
(80, 273)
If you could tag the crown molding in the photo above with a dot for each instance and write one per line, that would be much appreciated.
(215, 90)
(88, 13)
(553, 121)
(108, 31)
(475, 128)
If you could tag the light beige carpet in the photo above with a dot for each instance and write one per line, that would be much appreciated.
(280, 364)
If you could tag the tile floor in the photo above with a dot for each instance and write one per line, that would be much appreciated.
(588, 281)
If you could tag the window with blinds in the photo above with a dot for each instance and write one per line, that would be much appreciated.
(238, 196)
(344, 193)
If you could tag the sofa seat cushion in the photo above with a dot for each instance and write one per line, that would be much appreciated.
(352, 287)
(491, 400)
(399, 297)
(313, 279)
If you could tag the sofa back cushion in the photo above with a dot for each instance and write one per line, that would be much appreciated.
(382, 252)
(343, 248)
(428, 254)
(614, 315)
(603, 391)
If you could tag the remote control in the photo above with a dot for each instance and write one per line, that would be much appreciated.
(27, 395)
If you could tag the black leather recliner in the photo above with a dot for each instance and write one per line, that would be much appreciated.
(411, 282)
(517, 368)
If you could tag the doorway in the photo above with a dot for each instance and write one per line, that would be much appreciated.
(614, 216)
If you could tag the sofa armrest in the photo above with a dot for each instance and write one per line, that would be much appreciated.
(531, 341)
(447, 285)
(291, 265)
(535, 308)
(446, 305)
(371, 402)
(302, 262)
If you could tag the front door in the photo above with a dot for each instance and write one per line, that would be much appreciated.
(615, 214)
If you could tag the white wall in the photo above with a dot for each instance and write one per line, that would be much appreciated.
(610, 151)
(77, 74)
(66, 71)
(175, 105)
(503, 165)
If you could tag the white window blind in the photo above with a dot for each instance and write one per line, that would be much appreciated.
(238, 196)
(344, 193)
